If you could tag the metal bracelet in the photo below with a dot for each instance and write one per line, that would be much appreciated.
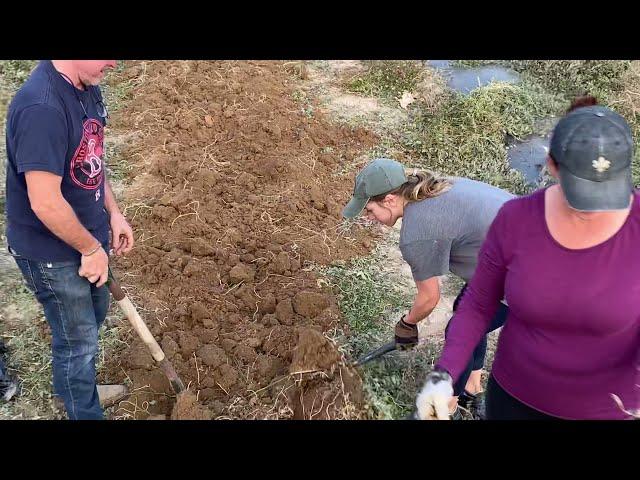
(93, 251)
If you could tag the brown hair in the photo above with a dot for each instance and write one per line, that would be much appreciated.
(421, 184)
(579, 102)
(582, 101)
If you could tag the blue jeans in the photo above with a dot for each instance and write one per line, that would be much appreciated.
(476, 362)
(75, 309)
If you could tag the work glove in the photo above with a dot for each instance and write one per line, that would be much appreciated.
(406, 334)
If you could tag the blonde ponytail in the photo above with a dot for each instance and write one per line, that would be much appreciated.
(421, 184)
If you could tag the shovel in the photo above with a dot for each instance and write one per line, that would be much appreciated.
(383, 350)
(143, 332)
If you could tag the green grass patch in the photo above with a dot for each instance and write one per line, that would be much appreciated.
(473, 63)
(612, 82)
(570, 78)
(387, 79)
(466, 135)
(364, 295)
(29, 356)
(15, 72)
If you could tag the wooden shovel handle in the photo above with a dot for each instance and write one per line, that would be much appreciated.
(143, 332)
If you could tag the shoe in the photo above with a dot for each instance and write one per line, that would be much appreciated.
(110, 394)
(474, 404)
(456, 415)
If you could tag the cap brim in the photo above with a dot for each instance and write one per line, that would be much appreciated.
(590, 196)
(354, 207)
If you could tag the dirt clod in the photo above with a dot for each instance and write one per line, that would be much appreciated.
(309, 304)
(188, 408)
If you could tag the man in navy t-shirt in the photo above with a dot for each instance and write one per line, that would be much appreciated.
(60, 212)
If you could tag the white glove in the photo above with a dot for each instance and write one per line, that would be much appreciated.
(433, 399)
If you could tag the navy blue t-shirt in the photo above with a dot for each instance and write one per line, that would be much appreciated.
(47, 130)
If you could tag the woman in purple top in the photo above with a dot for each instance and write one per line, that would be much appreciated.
(567, 260)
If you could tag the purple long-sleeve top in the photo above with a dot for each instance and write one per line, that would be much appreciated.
(572, 337)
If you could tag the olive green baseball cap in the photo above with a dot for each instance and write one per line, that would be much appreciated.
(381, 175)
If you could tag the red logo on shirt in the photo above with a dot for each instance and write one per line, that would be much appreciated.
(86, 164)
